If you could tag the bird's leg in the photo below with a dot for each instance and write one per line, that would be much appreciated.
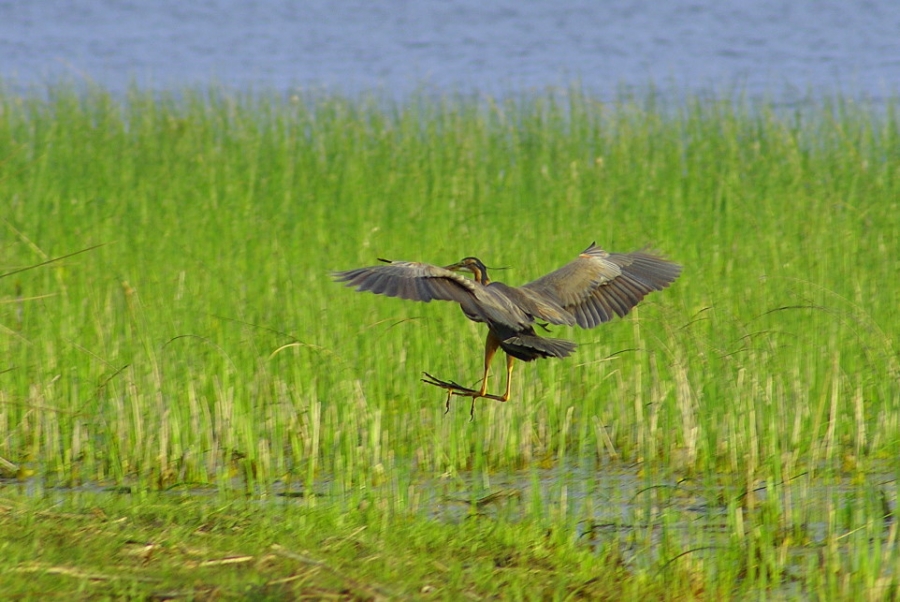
(510, 361)
(491, 345)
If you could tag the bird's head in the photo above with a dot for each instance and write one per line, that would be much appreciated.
(474, 265)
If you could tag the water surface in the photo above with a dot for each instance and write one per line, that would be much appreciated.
(782, 49)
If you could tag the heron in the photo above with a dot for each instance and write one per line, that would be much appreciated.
(592, 289)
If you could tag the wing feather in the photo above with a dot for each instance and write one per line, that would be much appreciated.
(410, 280)
(598, 285)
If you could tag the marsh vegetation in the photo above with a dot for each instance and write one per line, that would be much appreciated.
(194, 373)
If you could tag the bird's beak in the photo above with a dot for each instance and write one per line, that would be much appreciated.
(454, 267)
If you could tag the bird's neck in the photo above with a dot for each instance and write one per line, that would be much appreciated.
(481, 274)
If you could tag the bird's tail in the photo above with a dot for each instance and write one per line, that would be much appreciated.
(528, 347)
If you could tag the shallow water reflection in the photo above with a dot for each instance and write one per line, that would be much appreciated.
(644, 518)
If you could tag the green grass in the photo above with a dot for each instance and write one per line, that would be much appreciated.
(203, 342)
(190, 548)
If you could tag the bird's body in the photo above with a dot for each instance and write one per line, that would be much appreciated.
(586, 292)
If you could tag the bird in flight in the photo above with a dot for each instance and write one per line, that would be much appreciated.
(592, 289)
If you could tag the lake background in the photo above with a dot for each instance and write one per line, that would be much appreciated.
(785, 51)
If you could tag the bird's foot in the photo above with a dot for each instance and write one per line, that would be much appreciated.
(454, 388)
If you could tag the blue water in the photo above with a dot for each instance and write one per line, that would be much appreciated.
(781, 49)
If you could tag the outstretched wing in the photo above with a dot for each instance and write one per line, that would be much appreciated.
(598, 285)
(410, 280)
(425, 282)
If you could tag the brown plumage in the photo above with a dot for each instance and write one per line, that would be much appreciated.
(588, 291)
